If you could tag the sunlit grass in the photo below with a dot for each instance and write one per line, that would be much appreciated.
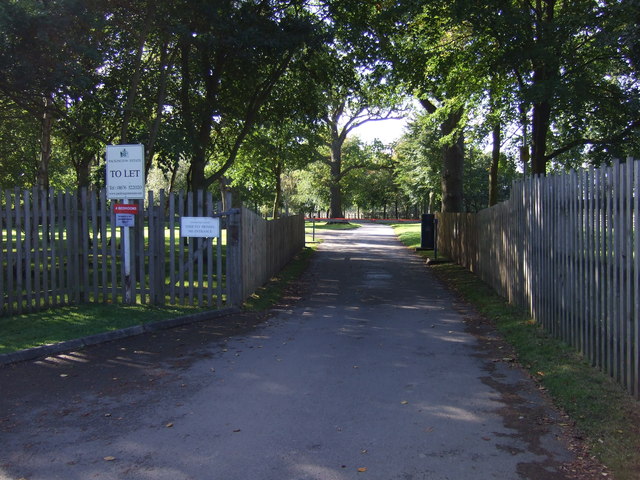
(271, 293)
(19, 332)
(330, 226)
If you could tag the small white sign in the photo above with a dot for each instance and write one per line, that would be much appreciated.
(125, 219)
(206, 227)
(125, 171)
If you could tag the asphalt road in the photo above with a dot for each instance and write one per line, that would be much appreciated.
(377, 372)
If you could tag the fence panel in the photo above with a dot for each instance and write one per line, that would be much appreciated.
(61, 248)
(267, 246)
(568, 249)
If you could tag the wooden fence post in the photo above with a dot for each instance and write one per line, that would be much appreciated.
(235, 283)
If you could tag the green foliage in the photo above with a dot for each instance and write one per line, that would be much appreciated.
(211, 90)
(418, 167)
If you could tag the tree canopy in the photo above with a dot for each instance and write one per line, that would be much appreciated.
(262, 96)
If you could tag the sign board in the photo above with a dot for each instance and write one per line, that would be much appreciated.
(125, 220)
(206, 227)
(125, 171)
(131, 208)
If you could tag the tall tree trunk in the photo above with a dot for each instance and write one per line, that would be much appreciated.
(336, 200)
(42, 180)
(495, 160)
(539, 131)
(335, 190)
(83, 172)
(166, 62)
(452, 166)
(524, 148)
(197, 180)
(452, 160)
(545, 75)
(135, 81)
(277, 202)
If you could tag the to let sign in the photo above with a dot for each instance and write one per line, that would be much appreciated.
(125, 171)
(205, 227)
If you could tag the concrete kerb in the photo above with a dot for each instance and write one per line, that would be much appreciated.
(79, 343)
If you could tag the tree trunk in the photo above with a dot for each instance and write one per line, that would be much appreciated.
(166, 62)
(135, 81)
(336, 176)
(277, 202)
(495, 160)
(539, 131)
(42, 180)
(452, 160)
(545, 75)
(336, 201)
(452, 166)
(83, 172)
(197, 180)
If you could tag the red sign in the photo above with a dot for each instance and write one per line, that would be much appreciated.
(130, 208)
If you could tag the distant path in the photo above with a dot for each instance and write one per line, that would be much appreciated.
(374, 374)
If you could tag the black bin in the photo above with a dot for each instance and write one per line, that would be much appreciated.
(428, 232)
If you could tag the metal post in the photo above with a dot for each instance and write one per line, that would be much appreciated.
(435, 238)
(127, 262)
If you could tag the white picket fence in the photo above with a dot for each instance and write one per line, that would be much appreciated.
(567, 247)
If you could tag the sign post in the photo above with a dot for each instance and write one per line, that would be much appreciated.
(125, 180)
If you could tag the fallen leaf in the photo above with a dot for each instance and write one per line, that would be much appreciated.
(404, 402)
(169, 425)
(540, 373)
(109, 458)
(362, 469)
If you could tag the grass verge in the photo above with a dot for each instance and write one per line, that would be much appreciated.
(271, 293)
(331, 226)
(20, 332)
(605, 415)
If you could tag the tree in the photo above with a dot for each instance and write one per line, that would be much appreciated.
(231, 57)
(372, 189)
(418, 163)
(352, 96)
(431, 58)
(573, 63)
(48, 55)
(269, 154)
(418, 167)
